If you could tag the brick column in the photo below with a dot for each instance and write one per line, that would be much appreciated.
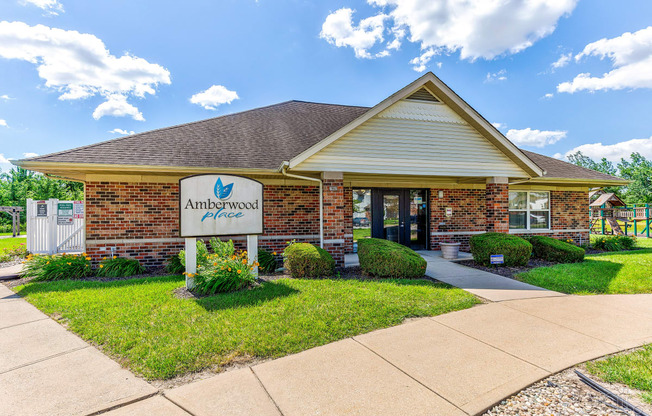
(348, 220)
(334, 215)
(496, 205)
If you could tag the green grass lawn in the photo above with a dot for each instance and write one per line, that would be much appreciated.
(606, 273)
(142, 324)
(360, 233)
(11, 242)
(633, 369)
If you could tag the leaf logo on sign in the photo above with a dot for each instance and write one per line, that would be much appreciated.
(222, 191)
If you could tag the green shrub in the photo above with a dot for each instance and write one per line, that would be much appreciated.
(202, 254)
(119, 267)
(223, 249)
(550, 249)
(614, 243)
(382, 258)
(223, 274)
(515, 250)
(267, 261)
(308, 260)
(174, 265)
(57, 267)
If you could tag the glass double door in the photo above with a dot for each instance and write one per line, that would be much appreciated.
(401, 215)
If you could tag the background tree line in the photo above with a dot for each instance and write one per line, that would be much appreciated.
(637, 169)
(18, 184)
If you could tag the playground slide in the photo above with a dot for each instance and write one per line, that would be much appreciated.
(615, 227)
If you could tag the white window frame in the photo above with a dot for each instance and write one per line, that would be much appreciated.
(527, 213)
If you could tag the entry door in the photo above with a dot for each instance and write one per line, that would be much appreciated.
(400, 215)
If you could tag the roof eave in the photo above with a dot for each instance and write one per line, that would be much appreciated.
(583, 181)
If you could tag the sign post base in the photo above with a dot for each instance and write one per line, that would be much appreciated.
(252, 252)
(191, 262)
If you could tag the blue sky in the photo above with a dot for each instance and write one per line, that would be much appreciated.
(74, 72)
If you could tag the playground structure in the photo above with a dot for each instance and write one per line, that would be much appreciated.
(607, 208)
(15, 218)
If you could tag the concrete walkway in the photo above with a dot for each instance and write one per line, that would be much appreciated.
(486, 285)
(46, 370)
(460, 363)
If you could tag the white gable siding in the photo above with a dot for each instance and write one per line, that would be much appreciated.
(414, 138)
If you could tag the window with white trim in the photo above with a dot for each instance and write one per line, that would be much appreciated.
(529, 210)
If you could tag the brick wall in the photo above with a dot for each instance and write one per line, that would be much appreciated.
(334, 218)
(496, 203)
(468, 206)
(348, 220)
(146, 215)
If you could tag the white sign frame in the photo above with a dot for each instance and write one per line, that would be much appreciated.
(188, 227)
(252, 233)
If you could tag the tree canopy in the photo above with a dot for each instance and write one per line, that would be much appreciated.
(637, 169)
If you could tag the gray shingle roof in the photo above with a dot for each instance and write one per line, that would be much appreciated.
(261, 138)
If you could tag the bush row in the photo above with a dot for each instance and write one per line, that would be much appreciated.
(517, 251)
(613, 243)
(382, 258)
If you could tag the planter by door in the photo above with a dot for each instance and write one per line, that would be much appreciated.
(450, 250)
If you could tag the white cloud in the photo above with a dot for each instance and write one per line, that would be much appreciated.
(50, 7)
(338, 29)
(496, 76)
(617, 151)
(3, 159)
(3, 123)
(563, 60)
(533, 137)
(475, 28)
(121, 131)
(78, 65)
(548, 96)
(213, 97)
(631, 58)
(116, 105)
(30, 154)
(5, 97)
(420, 63)
(499, 125)
(558, 156)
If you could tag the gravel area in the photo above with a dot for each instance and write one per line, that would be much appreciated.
(564, 394)
(11, 263)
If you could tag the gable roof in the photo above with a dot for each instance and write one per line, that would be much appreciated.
(454, 102)
(261, 138)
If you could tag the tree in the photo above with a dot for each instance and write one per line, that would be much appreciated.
(638, 170)
(19, 184)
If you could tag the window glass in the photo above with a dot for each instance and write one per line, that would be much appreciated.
(518, 220)
(539, 219)
(539, 200)
(361, 214)
(517, 200)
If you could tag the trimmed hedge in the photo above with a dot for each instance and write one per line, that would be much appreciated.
(551, 249)
(515, 250)
(308, 260)
(382, 258)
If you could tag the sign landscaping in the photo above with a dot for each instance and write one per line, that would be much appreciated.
(497, 259)
(64, 213)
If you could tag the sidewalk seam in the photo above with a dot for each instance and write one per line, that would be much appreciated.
(564, 326)
(266, 392)
(25, 323)
(44, 359)
(410, 376)
(177, 404)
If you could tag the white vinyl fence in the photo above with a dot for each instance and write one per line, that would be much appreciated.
(55, 226)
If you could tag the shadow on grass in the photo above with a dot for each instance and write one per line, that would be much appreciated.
(266, 292)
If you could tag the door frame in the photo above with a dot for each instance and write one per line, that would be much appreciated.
(377, 223)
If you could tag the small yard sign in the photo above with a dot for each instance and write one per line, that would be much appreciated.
(78, 210)
(497, 259)
(41, 209)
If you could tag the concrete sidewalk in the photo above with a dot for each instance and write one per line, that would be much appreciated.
(486, 285)
(460, 363)
(47, 370)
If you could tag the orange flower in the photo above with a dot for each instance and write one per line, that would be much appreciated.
(69, 263)
(101, 266)
(229, 269)
(274, 253)
(115, 257)
(239, 271)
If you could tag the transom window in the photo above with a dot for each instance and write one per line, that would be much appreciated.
(529, 210)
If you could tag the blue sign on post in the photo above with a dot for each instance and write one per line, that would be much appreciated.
(497, 259)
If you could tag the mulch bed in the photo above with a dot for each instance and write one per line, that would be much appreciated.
(505, 270)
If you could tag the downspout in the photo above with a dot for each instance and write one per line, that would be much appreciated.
(284, 168)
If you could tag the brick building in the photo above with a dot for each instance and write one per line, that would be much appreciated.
(419, 168)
